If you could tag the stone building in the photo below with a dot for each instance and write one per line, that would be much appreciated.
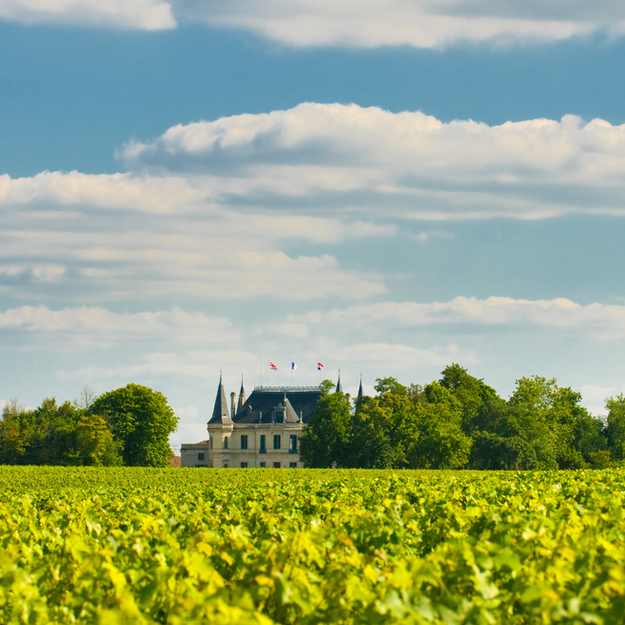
(262, 430)
(194, 454)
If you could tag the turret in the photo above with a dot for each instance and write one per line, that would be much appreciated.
(339, 388)
(221, 414)
(241, 396)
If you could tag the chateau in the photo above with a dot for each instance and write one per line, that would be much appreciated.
(260, 431)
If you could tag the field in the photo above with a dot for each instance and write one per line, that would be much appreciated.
(111, 546)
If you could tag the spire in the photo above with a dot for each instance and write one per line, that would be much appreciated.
(221, 414)
(360, 388)
(339, 388)
(241, 396)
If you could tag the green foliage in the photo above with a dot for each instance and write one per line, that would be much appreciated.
(325, 442)
(162, 546)
(55, 435)
(615, 430)
(327, 386)
(141, 421)
(95, 442)
(389, 385)
(460, 421)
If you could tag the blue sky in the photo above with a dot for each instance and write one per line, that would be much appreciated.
(385, 186)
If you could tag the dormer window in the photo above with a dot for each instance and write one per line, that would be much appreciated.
(277, 414)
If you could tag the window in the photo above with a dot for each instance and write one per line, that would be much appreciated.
(243, 441)
(244, 465)
(292, 465)
(225, 464)
(276, 465)
(263, 444)
(276, 441)
(278, 416)
(263, 465)
(293, 444)
(200, 456)
(210, 442)
(225, 442)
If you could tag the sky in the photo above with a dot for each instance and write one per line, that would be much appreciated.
(383, 186)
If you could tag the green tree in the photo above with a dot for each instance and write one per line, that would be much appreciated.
(374, 434)
(435, 439)
(473, 394)
(141, 420)
(325, 441)
(390, 385)
(95, 445)
(615, 430)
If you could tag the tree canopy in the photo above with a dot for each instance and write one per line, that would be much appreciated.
(128, 426)
(141, 420)
(461, 422)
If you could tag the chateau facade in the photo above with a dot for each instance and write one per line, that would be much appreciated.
(260, 431)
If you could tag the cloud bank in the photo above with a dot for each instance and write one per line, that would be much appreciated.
(250, 205)
(343, 23)
(125, 14)
(409, 163)
(418, 23)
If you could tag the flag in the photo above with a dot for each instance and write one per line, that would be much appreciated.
(272, 366)
(319, 366)
(293, 366)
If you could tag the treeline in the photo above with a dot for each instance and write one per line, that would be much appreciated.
(129, 426)
(461, 422)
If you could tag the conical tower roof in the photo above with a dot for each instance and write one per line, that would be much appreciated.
(291, 415)
(221, 413)
(241, 401)
(339, 387)
(360, 388)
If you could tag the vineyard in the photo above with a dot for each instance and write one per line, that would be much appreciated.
(118, 545)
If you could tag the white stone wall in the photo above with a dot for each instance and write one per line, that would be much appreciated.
(235, 456)
(195, 454)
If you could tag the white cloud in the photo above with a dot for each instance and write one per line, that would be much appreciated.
(127, 14)
(243, 206)
(132, 237)
(116, 191)
(346, 157)
(95, 326)
(344, 23)
(601, 321)
(595, 396)
(418, 23)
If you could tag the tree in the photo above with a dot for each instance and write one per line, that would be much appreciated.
(325, 441)
(473, 394)
(141, 420)
(438, 441)
(615, 430)
(94, 442)
(86, 398)
(371, 445)
(390, 385)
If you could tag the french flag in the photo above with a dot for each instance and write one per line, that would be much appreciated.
(293, 366)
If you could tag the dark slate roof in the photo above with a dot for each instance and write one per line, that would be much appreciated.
(221, 414)
(267, 401)
(339, 387)
(241, 396)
